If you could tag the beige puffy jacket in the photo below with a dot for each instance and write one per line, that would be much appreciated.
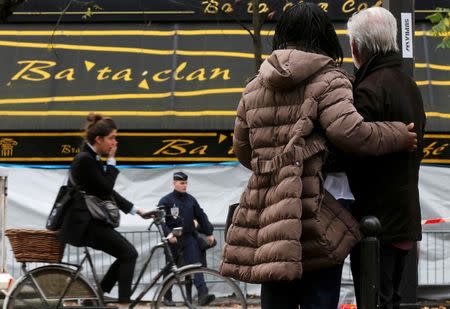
(298, 99)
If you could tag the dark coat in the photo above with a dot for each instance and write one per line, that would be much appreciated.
(95, 178)
(189, 209)
(387, 186)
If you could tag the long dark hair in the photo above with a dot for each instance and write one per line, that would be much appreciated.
(307, 27)
(98, 125)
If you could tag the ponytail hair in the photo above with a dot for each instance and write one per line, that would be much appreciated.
(98, 125)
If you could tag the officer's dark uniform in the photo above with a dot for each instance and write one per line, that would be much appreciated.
(186, 250)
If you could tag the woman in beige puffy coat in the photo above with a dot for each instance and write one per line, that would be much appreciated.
(300, 99)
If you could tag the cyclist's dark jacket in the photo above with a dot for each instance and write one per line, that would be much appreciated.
(96, 178)
(189, 209)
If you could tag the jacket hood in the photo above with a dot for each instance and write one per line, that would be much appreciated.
(286, 68)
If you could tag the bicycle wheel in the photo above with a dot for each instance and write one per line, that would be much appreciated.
(43, 287)
(182, 290)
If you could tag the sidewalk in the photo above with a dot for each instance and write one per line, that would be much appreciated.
(147, 306)
(253, 303)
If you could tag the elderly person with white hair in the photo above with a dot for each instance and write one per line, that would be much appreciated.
(385, 186)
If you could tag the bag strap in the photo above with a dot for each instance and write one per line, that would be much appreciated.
(71, 180)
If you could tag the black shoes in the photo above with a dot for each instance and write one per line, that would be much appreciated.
(203, 300)
(206, 299)
(88, 303)
(108, 300)
(168, 302)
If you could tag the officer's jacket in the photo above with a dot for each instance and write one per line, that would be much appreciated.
(188, 210)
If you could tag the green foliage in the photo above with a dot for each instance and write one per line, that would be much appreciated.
(441, 26)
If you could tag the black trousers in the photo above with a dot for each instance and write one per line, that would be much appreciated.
(105, 238)
(392, 264)
(318, 289)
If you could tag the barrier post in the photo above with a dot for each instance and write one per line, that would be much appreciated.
(370, 263)
(3, 194)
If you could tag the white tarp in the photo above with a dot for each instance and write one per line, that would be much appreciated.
(32, 190)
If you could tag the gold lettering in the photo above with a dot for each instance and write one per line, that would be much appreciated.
(379, 3)
(250, 7)
(231, 151)
(197, 74)
(66, 74)
(434, 149)
(102, 73)
(217, 71)
(287, 6)
(362, 6)
(348, 6)
(65, 149)
(438, 151)
(211, 6)
(124, 74)
(201, 150)
(69, 149)
(36, 67)
(178, 71)
(427, 150)
(157, 77)
(263, 8)
(176, 145)
(227, 8)
(324, 6)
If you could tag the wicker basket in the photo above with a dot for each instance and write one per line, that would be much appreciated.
(35, 245)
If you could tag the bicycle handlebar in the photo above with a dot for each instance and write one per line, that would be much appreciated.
(158, 213)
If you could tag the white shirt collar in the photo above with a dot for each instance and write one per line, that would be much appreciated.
(97, 157)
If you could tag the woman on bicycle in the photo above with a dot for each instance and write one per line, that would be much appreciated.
(96, 178)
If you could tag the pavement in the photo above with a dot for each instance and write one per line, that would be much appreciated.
(147, 306)
(252, 302)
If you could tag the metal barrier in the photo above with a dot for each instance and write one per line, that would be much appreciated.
(434, 258)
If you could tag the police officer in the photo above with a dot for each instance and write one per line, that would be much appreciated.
(182, 209)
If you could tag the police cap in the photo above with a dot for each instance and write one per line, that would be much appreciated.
(180, 176)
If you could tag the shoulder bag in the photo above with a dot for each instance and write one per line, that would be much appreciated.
(102, 210)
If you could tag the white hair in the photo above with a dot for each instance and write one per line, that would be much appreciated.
(373, 31)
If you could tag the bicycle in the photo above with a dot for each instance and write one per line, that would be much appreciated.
(62, 285)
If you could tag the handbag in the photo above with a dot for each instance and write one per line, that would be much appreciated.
(337, 231)
(56, 216)
(103, 210)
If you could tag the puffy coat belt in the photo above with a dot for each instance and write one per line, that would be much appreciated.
(294, 156)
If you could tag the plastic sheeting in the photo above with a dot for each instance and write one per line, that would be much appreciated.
(33, 190)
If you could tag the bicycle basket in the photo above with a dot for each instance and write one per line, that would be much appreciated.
(35, 245)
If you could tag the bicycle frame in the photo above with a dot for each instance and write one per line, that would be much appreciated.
(170, 268)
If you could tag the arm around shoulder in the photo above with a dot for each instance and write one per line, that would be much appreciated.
(346, 128)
